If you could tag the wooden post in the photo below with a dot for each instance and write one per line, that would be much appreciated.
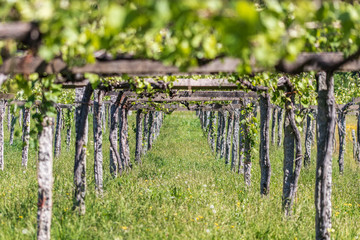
(146, 133)
(159, 116)
(264, 144)
(229, 133)
(218, 138)
(156, 115)
(354, 143)
(223, 136)
(139, 138)
(124, 146)
(289, 144)
(292, 138)
(280, 126)
(115, 167)
(103, 117)
(212, 131)
(342, 139)
(63, 122)
(273, 125)
(240, 167)
(358, 137)
(108, 116)
(201, 116)
(26, 137)
(12, 128)
(2, 115)
(207, 119)
(81, 125)
(235, 142)
(57, 149)
(314, 128)
(45, 180)
(247, 146)
(326, 128)
(68, 130)
(151, 130)
(308, 140)
(98, 136)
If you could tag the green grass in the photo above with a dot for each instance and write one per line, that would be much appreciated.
(180, 192)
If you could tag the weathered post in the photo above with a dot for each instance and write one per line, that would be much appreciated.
(235, 142)
(57, 149)
(218, 139)
(26, 137)
(2, 115)
(115, 167)
(210, 126)
(292, 138)
(280, 126)
(342, 138)
(98, 136)
(146, 133)
(124, 142)
(308, 140)
(207, 119)
(45, 179)
(151, 130)
(354, 143)
(289, 144)
(273, 125)
(326, 128)
(81, 125)
(240, 167)
(264, 144)
(247, 144)
(139, 133)
(103, 117)
(211, 134)
(12, 128)
(223, 136)
(68, 129)
(358, 137)
(229, 133)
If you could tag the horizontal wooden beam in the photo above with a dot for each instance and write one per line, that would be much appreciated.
(178, 96)
(191, 107)
(305, 62)
(6, 96)
(137, 106)
(202, 83)
(38, 103)
(32, 64)
(137, 67)
(179, 84)
(26, 32)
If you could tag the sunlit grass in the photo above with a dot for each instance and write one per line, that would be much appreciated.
(180, 192)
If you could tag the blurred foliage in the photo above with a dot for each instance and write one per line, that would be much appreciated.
(190, 32)
(187, 32)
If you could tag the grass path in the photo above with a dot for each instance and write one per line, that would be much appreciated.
(180, 192)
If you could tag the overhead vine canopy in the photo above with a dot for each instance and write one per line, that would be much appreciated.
(185, 33)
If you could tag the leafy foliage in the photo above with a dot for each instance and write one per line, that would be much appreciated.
(188, 32)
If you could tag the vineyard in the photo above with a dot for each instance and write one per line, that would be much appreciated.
(166, 119)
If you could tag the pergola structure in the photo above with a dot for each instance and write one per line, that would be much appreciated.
(148, 69)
